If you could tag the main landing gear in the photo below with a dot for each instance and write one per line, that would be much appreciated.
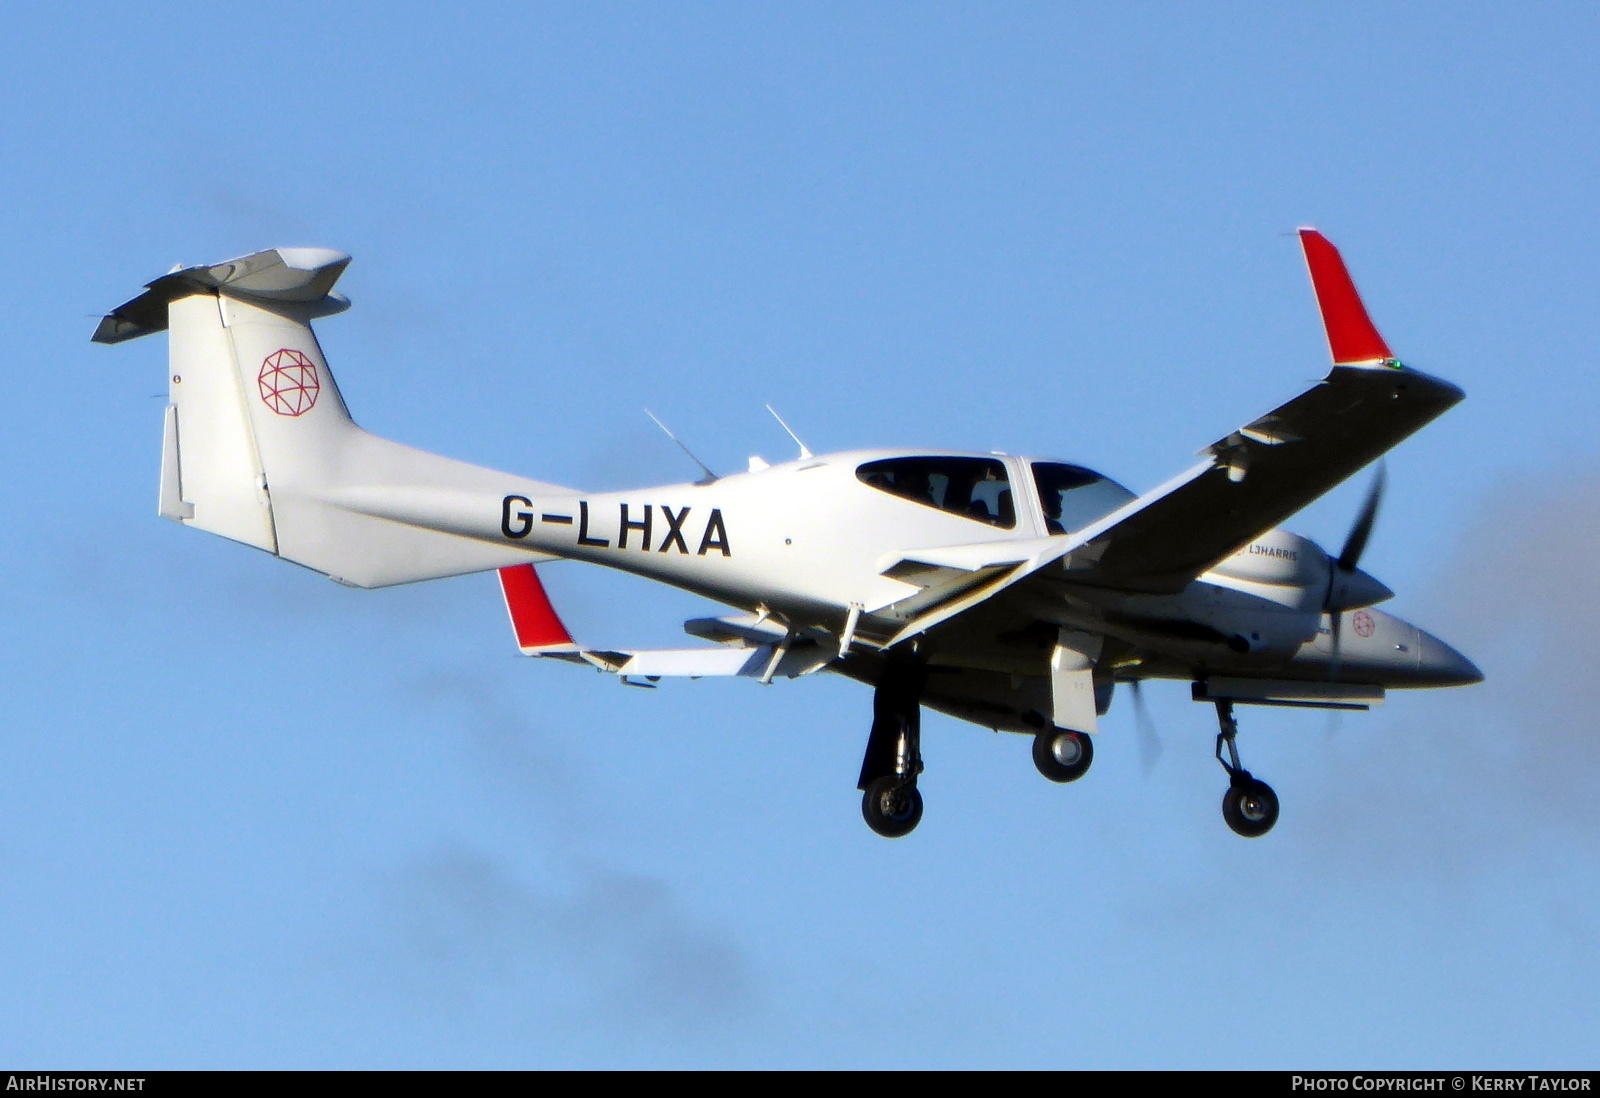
(892, 805)
(890, 801)
(1249, 806)
(1062, 756)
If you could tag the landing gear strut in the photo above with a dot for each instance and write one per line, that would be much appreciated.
(1249, 806)
(890, 802)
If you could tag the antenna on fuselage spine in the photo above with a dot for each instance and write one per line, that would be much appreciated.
(805, 451)
(709, 475)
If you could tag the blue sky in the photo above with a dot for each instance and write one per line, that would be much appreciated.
(250, 818)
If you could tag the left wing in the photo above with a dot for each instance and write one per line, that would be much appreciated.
(753, 649)
(1256, 477)
(1262, 473)
(1259, 475)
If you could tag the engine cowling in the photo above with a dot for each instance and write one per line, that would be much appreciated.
(1278, 559)
(1296, 571)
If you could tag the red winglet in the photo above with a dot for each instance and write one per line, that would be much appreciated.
(1351, 335)
(532, 617)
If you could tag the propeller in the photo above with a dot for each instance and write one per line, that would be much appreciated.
(1341, 574)
(1149, 741)
(1356, 543)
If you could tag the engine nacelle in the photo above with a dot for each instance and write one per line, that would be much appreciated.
(1296, 572)
(1278, 559)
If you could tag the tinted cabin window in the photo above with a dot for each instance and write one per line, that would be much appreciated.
(974, 488)
(1073, 497)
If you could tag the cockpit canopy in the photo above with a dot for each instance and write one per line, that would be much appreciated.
(974, 488)
(979, 488)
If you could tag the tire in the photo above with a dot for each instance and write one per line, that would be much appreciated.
(891, 808)
(1062, 756)
(1250, 807)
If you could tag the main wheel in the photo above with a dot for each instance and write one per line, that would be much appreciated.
(890, 807)
(1250, 807)
(1062, 756)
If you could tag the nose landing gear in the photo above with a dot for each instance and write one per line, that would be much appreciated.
(1249, 807)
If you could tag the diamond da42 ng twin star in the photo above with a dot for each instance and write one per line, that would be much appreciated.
(1009, 592)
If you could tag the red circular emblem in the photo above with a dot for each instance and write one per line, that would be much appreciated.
(288, 382)
(1363, 623)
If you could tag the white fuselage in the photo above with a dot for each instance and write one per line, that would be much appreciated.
(805, 540)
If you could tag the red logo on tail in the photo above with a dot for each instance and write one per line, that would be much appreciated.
(288, 382)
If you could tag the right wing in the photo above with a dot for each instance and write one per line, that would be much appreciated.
(751, 649)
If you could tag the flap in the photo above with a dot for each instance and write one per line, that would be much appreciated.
(740, 629)
(723, 662)
(696, 662)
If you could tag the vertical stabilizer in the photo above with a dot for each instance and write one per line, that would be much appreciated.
(258, 445)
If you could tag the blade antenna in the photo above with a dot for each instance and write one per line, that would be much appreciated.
(805, 451)
(709, 475)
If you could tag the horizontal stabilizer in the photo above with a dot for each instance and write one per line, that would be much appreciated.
(301, 275)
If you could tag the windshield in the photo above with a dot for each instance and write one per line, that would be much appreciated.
(1074, 497)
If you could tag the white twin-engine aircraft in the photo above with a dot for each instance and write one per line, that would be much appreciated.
(1009, 592)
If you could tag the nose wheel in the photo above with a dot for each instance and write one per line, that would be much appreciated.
(1249, 807)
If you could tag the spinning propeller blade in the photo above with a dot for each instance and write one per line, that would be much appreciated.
(1354, 545)
(1150, 747)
